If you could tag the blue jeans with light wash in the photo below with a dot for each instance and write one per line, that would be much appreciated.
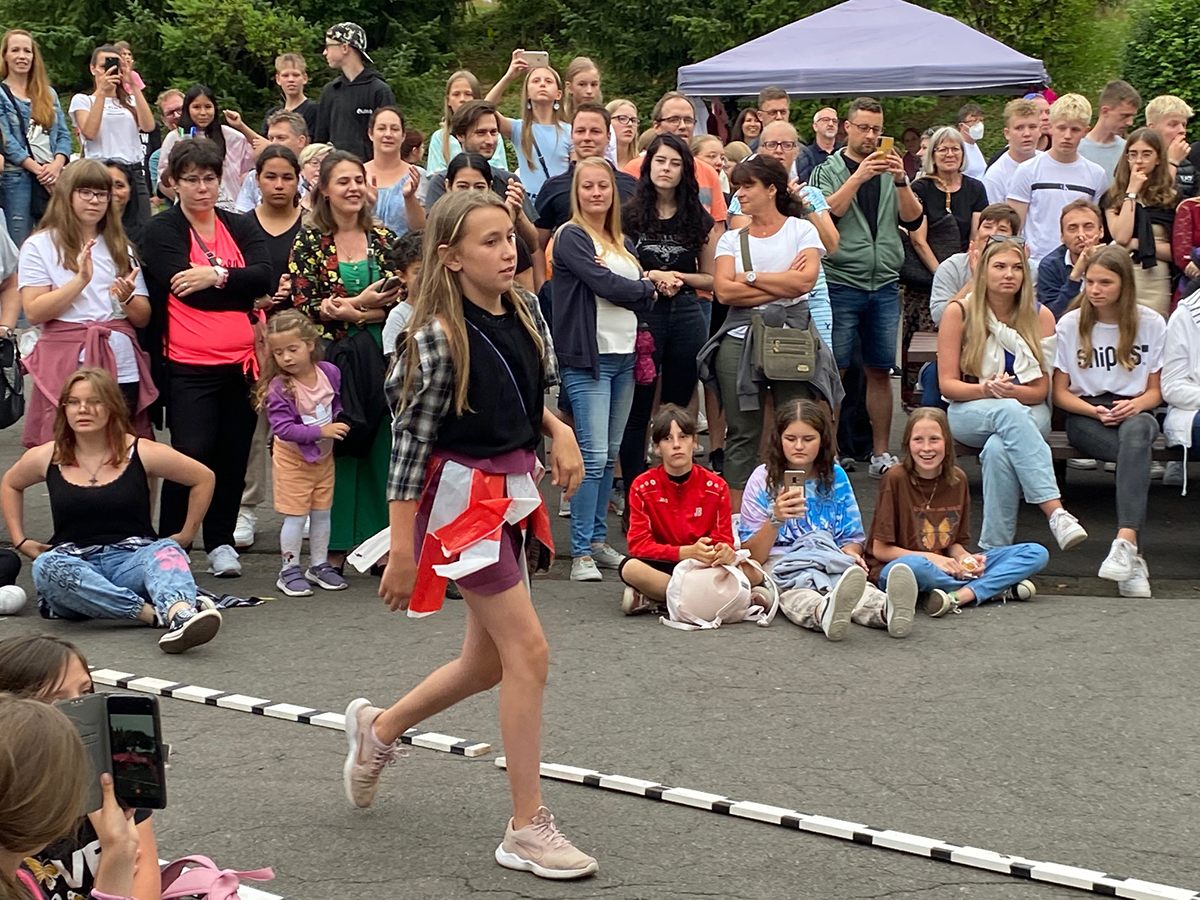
(1004, 567)
(114, 582)
(16, 196)
(1015, 459)
(601, 407)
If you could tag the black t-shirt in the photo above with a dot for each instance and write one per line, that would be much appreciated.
(307, 109)
(867, 196)
(505, 390)
(279, 248)
(524, 259)
(64, 869)
(554, 199)
(665, 250)
(970, 198)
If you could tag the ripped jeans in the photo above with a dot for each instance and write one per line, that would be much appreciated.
(114, 581)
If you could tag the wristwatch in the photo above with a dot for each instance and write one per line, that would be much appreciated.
(751, 277)
(905, 183)
(1129, 195)
(222, 275)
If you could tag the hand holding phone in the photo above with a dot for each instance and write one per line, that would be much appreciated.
(536, 59)
(885, 146)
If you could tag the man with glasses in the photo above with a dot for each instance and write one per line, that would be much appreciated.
(348, 102)
(825, 128)
(170, 108)
(773, 105)
(869, 195)
(674, 114)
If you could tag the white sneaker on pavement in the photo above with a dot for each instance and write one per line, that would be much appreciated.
(606, 557)
(1118, 565)
(835, 619)
(880, 464)
(901, 600)
(1087, 464)
(223, 562)
(243, 531)
(1066, 529)
(1138, 584)
(583, 568)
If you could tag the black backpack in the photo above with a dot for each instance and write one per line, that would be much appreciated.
(12, 383)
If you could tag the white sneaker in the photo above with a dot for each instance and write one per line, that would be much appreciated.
(841, 602)
(605, 557)
(1118, 565)
(223, 562)
(1067, 530)
(583, 568)
(243, 531)
(1081, 464)
(1110, 468)
(880, 464)
(1157, 470)
(1173, 475)
(1138, 584)
(901, 600)
(564, 508)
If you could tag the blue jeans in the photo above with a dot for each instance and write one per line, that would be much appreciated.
(1005, 566)
(601, 407)
(927, 382)
(1015, 459)
(870, 316)
(16, 196)
(115, 582)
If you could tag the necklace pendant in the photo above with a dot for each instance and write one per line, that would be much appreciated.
(92, 480)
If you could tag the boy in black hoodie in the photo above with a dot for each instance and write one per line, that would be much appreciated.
(348, 101)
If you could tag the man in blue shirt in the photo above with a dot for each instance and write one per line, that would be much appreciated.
(1060, 273)
(825, 127)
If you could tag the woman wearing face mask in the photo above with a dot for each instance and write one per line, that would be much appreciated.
(202, 118)
(624, 125)
(111, 120)
(471, 172)
(392, 181)
(542, 136)
(34, 132)
(78, 280)
(443, 146)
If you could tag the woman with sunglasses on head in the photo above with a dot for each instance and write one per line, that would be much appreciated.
(80, 282)
(111, 120)
(33, 131)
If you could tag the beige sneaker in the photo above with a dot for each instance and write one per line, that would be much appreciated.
(542, 849)
(367, 756)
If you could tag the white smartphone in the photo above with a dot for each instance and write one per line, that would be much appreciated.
(537, 59)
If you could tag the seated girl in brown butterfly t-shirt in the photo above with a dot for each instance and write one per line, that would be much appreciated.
(923, 521)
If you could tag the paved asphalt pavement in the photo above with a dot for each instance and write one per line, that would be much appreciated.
(1053, 729)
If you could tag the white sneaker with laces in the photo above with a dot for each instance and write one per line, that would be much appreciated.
(243, 530)
(583, 568)
(1118, 565)
(1087, 464)
(1157, 470)
(839, 605)
(223, 562)
(901, 600)
(880, 464)
(1138, 584)
(1066, 529)
(606, 557)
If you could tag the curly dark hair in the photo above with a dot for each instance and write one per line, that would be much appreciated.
(641, 219)
(816, 416)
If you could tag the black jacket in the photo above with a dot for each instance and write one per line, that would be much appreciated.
(364, 403)
(345, 109)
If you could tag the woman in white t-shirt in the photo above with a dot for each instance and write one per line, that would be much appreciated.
(80, 282)
(785, 258)
(598, 288)
(111, 121)
(1107, 370)
(541, 136)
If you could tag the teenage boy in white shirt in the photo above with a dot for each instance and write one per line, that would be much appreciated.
(1022, 128)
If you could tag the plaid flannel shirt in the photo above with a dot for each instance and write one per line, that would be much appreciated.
(417, 413)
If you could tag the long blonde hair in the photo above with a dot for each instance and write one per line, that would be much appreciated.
(282, 323)
(527, 119)
(1024, 318)
(42, 110)
(43, 780)
(1116, 259)
(476, 94)
(615, 242)
(575, 67)
(60, 216)
(612, 106)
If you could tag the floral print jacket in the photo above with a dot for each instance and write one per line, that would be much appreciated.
(315, 275)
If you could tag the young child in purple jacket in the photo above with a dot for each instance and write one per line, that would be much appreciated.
(301, 395)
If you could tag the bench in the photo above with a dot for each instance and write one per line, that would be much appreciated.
(923, 347)
(1061, 449)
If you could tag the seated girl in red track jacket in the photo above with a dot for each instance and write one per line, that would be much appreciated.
(677, 510)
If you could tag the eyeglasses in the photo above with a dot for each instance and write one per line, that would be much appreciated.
(76, 403)
(774, 113)
(679, 120)
(949, 148)
(779, 145)
(868, 129)
(194, 181)
(91, 194)
(1001, 238)
(825, 120)
(172, 113)
(625, 120)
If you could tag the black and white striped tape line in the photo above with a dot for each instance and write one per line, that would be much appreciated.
(1016, 866)
(429, 740)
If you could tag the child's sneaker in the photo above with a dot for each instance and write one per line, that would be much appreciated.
(325, 577)
(367, 756)
(542, 849)
(635, 603)
(291, 582)
(840, 603)
(901, 600)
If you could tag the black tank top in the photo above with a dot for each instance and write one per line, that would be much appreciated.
(104, 514)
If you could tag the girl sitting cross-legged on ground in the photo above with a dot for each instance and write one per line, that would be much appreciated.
(922, 523)
(1107, 378)
(810, 537)
(677, 511)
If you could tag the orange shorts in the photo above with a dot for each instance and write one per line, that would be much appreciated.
(300, 487)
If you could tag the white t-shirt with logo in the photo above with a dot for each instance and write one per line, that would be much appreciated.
(1048, 185)
(40, 267)
(1106, 374)
(118, 137)
(999, 177)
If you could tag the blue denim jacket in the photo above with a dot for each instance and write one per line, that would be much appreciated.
(13, 124)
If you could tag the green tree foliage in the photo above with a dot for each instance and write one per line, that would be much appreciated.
(1163, 56)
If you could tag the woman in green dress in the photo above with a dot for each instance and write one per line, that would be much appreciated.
(338, 267)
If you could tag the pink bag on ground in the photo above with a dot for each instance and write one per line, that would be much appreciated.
(701, 597)
(205, 879)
